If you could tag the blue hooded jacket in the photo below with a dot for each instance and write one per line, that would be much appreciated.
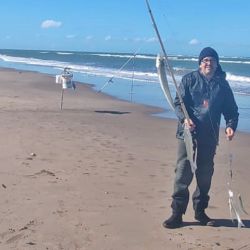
(205, 103)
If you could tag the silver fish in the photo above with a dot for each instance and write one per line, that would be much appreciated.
(191, 149)
(241, 204)
(234, 209)
(189, 139)
(161, 71)
(235, 203)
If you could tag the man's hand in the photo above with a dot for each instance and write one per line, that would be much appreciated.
(189, 124)
(229, 133)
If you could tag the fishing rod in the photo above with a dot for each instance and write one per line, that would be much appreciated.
(132, 83)
(167, 62)
(190, 142)
(110, 80)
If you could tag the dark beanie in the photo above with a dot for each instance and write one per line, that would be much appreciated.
(208, 52)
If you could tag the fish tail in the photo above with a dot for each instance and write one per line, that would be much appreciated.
(240, 202)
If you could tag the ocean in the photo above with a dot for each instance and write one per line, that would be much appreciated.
(131, 77)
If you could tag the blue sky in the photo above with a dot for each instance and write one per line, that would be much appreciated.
(186, 26)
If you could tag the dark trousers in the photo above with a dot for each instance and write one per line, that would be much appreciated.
(184, 177)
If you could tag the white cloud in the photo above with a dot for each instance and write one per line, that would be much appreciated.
(70, 36)
(138, 39)
(147, 40)
(89, 37)
(50, 24)
(152, 40)
(194, 41)
(107, 38)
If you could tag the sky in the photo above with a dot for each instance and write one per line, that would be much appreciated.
(186, 26)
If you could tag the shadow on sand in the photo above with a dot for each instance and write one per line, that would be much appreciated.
(220, 223)
(111, 112)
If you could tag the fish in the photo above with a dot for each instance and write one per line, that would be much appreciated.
(235, 202)
(191, 149)
(234, 209)
(241, 205)
(188, 138)
(161, 71)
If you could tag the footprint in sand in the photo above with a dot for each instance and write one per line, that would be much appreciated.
(14, 238)
(15, 235)
(43, 172)
(61, 211)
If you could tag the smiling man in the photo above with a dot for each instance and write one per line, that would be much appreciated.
(206, 95)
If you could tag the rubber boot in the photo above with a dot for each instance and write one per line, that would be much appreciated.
(174, 221)
(204, 219)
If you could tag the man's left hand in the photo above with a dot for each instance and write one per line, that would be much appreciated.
(229, 133)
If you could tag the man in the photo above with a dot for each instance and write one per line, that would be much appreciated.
(206, 95)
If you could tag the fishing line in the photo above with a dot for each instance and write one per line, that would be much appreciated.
(209, 113)
(235, 203)
(172, 32)
(110, 80)
(132, 83)
(167, 63)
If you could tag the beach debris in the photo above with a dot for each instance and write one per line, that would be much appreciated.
(31, 157)
(31, 243)
(23, 228)
(4, 186)
(86, 173)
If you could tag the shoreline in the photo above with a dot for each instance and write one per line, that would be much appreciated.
(98, 174)
(161, 112)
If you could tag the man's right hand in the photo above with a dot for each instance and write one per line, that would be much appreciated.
(189, 124)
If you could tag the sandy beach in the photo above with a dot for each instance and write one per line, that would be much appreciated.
(98, 174)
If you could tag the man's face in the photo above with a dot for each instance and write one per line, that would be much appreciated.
(208, 66)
